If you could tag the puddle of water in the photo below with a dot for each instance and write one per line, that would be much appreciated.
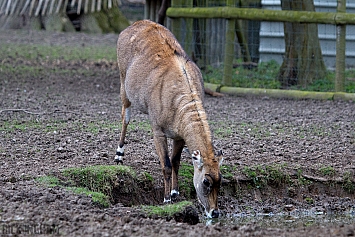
(285, 220)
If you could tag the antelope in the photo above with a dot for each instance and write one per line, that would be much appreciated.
(159, 79)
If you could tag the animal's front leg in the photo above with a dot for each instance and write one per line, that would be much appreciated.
(161, 146)
(178, 145)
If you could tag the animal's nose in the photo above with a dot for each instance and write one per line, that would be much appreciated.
(215, 214)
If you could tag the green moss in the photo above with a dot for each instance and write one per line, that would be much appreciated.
(166, 210)
(117, 20)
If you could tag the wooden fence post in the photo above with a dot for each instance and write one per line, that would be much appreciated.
(229, 49)
(176, 22)
(188, 44)
(340, 50)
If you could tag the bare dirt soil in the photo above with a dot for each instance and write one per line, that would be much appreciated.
(63, 115)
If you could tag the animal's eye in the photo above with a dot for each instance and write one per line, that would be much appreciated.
(206, 182)
(206, 187)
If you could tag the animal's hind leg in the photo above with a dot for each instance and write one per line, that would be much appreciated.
(178, 145)
(126, 116)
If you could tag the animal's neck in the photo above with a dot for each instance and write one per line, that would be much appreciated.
(196, 133)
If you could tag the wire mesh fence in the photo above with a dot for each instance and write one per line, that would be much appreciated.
(268, 53)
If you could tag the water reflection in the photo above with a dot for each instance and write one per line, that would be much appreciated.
(285, 220)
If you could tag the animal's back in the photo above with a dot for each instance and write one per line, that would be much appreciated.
(157, 75)
(147, 40)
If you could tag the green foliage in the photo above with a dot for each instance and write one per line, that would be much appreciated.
(327, 83)
(166, 210)
(264, 76)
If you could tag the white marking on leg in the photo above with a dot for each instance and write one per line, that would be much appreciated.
(174, 192)
(119, 154)
(127, 117)
(167, 200)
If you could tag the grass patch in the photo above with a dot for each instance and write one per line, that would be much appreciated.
(166, 210)
(50, 181)
(98, 178)
(12, 126)
(227, 171)
(140, 125)
(186, 175)
(97, 197)
(327, 170)
(54, 52)
(93, 127)
(267, 175)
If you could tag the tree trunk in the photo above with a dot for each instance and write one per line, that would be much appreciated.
(303, 62)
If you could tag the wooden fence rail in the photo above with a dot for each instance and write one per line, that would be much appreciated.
(339, 18)
(263, 15)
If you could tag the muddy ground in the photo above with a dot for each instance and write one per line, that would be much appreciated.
(54, 119)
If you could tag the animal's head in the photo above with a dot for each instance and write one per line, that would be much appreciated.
(207, 181)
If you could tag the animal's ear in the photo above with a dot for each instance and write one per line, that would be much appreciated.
(219, 157)
(197, 159)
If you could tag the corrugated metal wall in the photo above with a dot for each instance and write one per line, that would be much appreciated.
(272, 44)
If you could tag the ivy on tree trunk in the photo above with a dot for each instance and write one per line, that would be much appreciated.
(303, 61)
